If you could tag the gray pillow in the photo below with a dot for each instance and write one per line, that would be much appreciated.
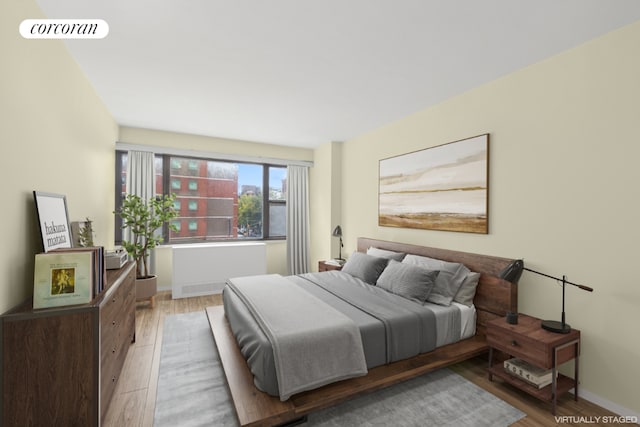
(383, 253)
(449, 280)
(409, 281)
(365, 267)
(467, 291)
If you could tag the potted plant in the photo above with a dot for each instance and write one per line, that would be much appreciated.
(143, 218)
(85, 234)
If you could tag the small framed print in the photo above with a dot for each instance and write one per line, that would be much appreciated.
(53, 219)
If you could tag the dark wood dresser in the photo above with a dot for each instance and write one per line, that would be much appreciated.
(59, 366)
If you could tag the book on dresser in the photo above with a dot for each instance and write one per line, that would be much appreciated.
(533, 375)
(68, 276)
(99, 264)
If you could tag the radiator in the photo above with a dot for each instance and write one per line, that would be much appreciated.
(202, 269)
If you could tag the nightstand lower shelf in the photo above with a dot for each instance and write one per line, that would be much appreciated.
(563, 384)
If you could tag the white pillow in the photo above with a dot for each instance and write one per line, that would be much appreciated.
(383, 253)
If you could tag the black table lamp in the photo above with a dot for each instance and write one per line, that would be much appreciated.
(512, 273)
(337, 232)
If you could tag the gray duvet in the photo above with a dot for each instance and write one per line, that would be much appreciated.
(392, 327)
(303, 333)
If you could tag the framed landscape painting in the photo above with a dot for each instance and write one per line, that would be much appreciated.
(439, 188)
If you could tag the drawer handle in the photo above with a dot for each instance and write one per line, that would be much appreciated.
(113, 323)
(514, 343)
(114, 350)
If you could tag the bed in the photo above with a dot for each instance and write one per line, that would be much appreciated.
(458, 333)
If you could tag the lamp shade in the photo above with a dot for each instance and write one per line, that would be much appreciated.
(337, 232)
(513, 271)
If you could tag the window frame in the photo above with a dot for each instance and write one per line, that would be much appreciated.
(166, 185)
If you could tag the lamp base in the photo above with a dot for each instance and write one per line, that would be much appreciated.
(555, 326)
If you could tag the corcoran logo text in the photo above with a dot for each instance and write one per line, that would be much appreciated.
(64, 29)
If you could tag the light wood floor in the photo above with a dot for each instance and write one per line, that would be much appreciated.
(133, 404)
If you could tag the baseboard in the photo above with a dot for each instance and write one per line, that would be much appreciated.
(607, 404)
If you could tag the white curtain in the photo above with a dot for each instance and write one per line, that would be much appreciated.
(141, 182)
(298, 219)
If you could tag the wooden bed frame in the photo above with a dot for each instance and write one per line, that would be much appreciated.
(494, 297)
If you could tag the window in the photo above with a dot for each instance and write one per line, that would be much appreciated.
(217, 200)
(277, 201)
(250, 201)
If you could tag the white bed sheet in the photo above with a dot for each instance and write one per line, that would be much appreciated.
(447, 318)
(467, 320)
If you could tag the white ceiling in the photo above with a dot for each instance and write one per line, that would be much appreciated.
(302, 72)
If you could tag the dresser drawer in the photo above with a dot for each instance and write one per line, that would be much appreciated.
(117, 324)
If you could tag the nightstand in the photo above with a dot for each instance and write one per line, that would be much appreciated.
(323, 266)
(528, 341)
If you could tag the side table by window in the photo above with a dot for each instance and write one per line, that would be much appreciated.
(323, 266)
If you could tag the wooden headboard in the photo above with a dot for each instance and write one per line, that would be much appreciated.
(494, 296)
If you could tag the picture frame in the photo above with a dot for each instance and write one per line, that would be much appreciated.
(445, 187)
(53, 219)
(63, 278)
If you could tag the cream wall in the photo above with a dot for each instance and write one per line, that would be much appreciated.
(57, 136)
(325, 198)
(563, 175)
(276, 250)
(160, 138)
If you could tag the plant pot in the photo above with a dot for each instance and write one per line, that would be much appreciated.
(146, 289)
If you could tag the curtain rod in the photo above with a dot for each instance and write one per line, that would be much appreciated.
(212, 155)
